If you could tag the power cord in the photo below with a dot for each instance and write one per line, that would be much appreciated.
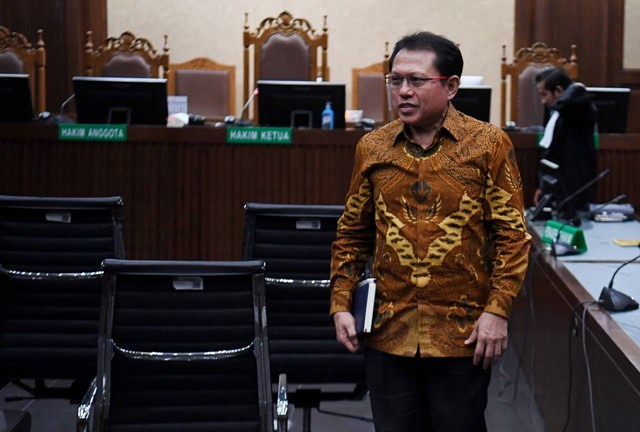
(586, 362)
(572, 326)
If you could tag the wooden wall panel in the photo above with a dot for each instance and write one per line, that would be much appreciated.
(64, 23)
(596, 27)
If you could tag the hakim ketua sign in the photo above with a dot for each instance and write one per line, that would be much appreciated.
(92, 132)
(259, 135)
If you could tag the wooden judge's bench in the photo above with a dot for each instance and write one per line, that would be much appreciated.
(184, 189)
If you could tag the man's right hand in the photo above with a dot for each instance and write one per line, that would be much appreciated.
(346, 330)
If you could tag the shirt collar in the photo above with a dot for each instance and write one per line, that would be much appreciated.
(452, 126)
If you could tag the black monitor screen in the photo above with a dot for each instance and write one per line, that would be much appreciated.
(474, 101)
(121, 100)
(612, 104)
(299, 103)
(15, 98)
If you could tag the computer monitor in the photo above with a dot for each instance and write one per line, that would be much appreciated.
(612, 104)
(108, 100)
(299, 104)
(15, 95)
(475, 101)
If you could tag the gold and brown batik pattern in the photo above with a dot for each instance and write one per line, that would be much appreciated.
(446, 228)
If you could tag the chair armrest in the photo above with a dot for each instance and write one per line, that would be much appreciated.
(84, 409)
(182, 356)
(49, 276)
(282, 404)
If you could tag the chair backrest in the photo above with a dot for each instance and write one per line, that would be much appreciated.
(183, 346)
(295, 242)
(284, 48)
(209, 86)
(125, 56)
(18, 56)
(525, 107)
(51, 250)
(369, 90)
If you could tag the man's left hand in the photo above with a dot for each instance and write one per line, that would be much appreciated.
(490, 337)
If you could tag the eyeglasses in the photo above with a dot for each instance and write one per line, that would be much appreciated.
(394, 80)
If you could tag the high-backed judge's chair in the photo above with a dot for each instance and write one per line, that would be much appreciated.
(18, 56)
(284, 48)
(524, 107)
(209, 87)
(125, 56)
(369, 90)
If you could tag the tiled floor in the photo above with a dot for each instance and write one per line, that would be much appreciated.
(511, 408)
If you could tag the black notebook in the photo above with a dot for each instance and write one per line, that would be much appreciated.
(363, 305)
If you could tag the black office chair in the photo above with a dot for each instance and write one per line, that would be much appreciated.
(295, 242)
(51, 250)
(182, 347)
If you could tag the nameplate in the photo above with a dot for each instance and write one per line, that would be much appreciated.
(258, 135)
(92, 132)
(568, 233)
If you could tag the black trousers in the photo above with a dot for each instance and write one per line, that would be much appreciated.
(411, 394)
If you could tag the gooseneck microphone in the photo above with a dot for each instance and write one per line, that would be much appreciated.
(614, 300)
(232, 120)
(581, 189)
(246, 105)
(562, 248)
(60, 117)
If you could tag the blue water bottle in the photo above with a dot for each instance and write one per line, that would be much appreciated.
(327, 117)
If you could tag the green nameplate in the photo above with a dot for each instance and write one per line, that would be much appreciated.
(258, 135)
(92, 132)
(568, 233)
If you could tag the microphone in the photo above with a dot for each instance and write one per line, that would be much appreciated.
(582, 189)
(562, 248)
(614, 300)
(243, 121)
(231, 119)
(61, 117)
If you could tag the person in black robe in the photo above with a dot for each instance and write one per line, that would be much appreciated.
(568, 140)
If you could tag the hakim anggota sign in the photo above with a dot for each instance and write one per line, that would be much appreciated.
(92, 132)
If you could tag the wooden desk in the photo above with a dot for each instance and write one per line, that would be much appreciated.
(184, 189)
(548, 337)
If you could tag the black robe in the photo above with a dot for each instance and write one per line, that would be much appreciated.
(573, 149)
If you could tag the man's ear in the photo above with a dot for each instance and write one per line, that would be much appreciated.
(453, 84)
(557, 92)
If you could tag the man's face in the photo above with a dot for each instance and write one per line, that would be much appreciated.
(421, 106)
(547, 96)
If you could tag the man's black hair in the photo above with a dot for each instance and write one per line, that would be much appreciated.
(448, 59)
(554, 76)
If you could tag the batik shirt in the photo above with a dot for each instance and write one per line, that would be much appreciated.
(446, 230)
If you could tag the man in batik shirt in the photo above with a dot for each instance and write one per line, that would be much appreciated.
(436, 199)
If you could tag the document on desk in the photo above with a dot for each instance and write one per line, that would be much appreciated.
(364, 305)
(627, 242)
